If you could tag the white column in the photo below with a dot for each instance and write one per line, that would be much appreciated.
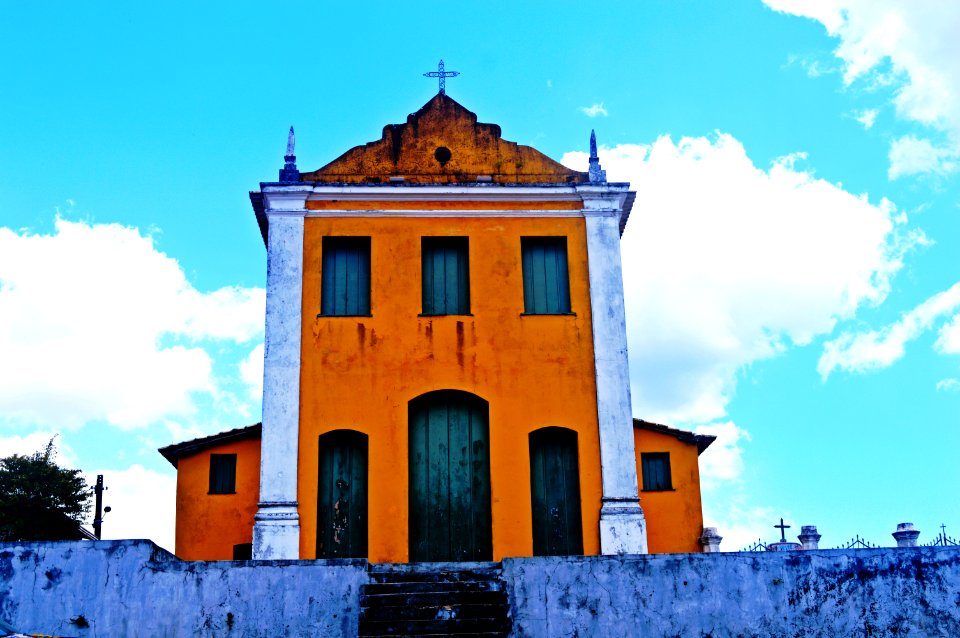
(623, 529)
(276, 529)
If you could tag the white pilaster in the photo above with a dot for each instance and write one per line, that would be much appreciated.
(276, 529)
(623, 529)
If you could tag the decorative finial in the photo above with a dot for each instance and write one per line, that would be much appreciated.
(289, 172)
(440, 73)
(597, 176)
(291, 141)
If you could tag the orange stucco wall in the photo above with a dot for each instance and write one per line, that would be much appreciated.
(674, 517)
(209, 525)
(360, 372)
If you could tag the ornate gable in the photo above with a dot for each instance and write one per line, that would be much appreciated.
(443, 143)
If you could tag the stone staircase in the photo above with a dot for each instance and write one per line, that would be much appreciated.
(434, 599)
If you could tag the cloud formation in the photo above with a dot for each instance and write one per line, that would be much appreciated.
(875, 349)
(97, 324)
(912, 46)
(594, 110)
(726, 264)
(867, 118)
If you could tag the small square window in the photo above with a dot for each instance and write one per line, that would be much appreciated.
(656, 471)
(223, 473)
(546, 284)
(446, 275)
(243, 551)
(345, 281)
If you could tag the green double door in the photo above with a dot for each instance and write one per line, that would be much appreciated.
(449, 478)
(342, 495)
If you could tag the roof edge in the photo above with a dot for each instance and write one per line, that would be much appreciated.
(702, 441)
(176, 451)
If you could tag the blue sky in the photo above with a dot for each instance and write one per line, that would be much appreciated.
(790, 266)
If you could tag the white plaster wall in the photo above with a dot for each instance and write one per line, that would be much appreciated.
(133, 588)
(880, 593)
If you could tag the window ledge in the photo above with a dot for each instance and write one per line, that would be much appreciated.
(444, 314)
(220, 493)
(320, 315)
(548, 314)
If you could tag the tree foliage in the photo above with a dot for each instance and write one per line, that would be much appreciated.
(40, 500)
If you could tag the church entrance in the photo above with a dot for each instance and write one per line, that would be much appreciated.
(342, 495)
(449, 478)
(555, 492)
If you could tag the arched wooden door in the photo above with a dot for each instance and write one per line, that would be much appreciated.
(555, 492)
(449, 478)
(342, 495)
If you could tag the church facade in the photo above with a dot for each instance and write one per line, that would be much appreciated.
(445, 372)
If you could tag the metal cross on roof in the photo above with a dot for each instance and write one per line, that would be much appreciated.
(440, 73)
(783, 528)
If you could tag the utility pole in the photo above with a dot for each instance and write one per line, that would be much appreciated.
(98, 514)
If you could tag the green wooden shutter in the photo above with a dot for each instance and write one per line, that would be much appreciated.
(555, 492)
(223, 473)
(446, 275)
(655, 467)
(546, 283)
(342, 495)
(345, 281)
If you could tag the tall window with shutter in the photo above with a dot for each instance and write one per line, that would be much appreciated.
(223, 474)
(546, 284)
(345, 285)
(446, 275)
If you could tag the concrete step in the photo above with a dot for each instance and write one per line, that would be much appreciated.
(433, 612)
(434, 599)
(427, 599)
(428, 586)
(434, 572)
(442, 627)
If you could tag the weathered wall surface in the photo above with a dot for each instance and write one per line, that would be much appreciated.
(360, 373)
(133, 588)
(876, 593)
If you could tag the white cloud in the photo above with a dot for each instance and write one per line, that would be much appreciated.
(915, 43)
(910, 155)
(867, 117)
(97, 324)
(723, 460)
(251, 372)
(594, 110)
(948, 341)
(949, 385)
(875, 349)
(142, 502)
(726, 264)
(28, 444)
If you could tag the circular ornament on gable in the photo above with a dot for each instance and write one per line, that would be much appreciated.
(442, 155)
